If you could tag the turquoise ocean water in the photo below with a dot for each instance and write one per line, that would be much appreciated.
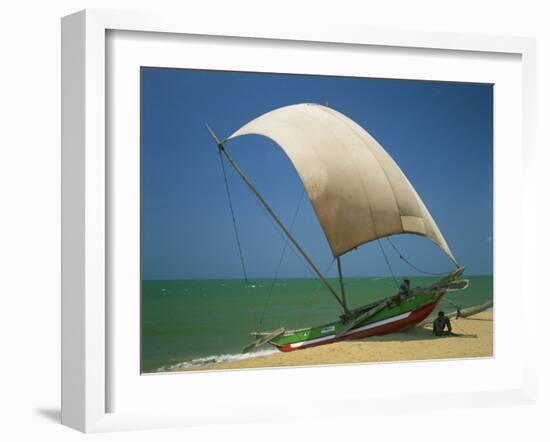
(192, 322)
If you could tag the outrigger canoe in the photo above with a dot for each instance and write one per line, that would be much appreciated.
(359, 194)
(389, 315)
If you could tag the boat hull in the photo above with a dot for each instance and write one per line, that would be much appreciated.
(393, 324)
(389, 315)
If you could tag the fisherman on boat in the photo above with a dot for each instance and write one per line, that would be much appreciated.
(405, 288)
(403, 293)
(440, 323)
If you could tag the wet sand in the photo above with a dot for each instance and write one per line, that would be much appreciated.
(474, 338)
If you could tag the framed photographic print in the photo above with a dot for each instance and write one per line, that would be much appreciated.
(253, 218)
(214, 268)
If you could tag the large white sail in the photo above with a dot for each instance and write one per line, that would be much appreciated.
(357, 190)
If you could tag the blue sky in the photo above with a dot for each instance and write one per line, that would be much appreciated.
(440, 134)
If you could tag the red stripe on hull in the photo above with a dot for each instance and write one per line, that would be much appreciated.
(414, 318)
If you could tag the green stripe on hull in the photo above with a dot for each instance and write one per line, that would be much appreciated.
(333, 328)
(419, 298)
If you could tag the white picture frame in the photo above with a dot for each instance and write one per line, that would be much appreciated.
(86, 204)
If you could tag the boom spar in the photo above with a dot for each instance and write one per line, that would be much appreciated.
(278, 221)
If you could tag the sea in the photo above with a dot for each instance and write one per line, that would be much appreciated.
(189, 323)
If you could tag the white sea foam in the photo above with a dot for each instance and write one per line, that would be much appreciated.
(215, 359)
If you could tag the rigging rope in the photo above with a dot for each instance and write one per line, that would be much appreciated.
(388, 264)
(325, 273)
(300, 258)
(280, 262)
(455, 305)
(281, 235)
(412, 265)
(313, 270)
(233, 218)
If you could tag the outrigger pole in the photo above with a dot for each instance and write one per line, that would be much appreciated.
(280, 224)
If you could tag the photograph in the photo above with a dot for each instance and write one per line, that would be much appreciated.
(301, 220)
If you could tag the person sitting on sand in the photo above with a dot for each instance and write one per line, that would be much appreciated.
(440, 323)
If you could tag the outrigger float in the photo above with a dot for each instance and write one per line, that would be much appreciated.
(359, 195)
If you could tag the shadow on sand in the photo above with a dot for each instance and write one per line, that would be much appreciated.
(415, 334)
(479, 319)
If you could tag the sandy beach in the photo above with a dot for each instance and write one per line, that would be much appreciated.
(473, 338)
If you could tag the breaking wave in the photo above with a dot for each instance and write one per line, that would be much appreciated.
(215, 359)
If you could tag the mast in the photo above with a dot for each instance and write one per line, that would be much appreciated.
(277, 220)
(341, 280)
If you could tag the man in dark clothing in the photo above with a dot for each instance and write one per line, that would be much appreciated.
(405, 287)
(440, 323)
(403, 293)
